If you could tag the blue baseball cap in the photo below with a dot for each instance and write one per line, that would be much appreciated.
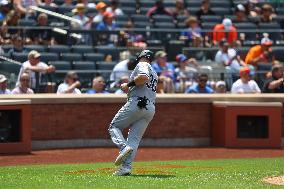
(181, 58)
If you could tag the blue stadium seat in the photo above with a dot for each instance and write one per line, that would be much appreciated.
(139, 18)
(108, 50)
(9, 67)
(211, 18)
(21, 57)
(274, 26)
(82, 49)
(39, 48)
(46, 57)
(278, 53)
(26, 22)
(59, 49)
(105, 68)
(61, 65)
(84, 65)
(93, 57)
(71, 57)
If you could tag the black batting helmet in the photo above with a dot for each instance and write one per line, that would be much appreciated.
(146, 54)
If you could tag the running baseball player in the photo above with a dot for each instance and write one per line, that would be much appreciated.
(136, 114)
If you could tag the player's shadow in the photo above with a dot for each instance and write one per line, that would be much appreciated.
(153, 176)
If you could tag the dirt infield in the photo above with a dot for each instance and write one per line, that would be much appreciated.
(144, 154)
(275, 180)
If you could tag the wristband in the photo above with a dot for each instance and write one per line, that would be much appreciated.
(131, 84)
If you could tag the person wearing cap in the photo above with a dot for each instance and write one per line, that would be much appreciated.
(227, 56)
(220, 87)
(275, 84)
(193, 33)
(204, 9)
(184, 72)
(24, 85)
(267, 13)
(101, 8)
(107, 23)
(245, 84)
(261, 53)
(35, 68)
(114, 9)
(70, 84)
(98, 86)
(3, 85)
(240, 12)
(201, 86)
(79, 14)
(225, 30)
(165, 70)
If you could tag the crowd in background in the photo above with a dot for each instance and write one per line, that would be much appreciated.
(183, 77)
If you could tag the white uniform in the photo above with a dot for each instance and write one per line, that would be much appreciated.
(131, 116)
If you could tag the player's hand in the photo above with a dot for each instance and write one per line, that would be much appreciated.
(124, 86)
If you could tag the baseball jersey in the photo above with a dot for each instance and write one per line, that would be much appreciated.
(149, 88)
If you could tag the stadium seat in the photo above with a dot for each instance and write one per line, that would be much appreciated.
(270, 27)
(71, 57)
(82, 49)
(248, 28)
(211, 18)
(50, 8)
(162, 18)
(154, 43)
(122, 18)
(65, 9)
(21, 57)
(9, 67)
(165, 25)
(142, 24)
(93, 57)
(278, 53)
(174, 47)
(139, 18)
(46, 57)
(6, 48)
(105, 68)
(26, 22)
(39, 48)
(108, 50)
(61, 65)
(59, 49)
(84, 65)
(128, 10)
(221, 11)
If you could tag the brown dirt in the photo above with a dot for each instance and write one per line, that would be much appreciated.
(92, 155)
(275, 180)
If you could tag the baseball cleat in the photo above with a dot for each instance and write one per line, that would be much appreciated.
(122, 172)
(123, 155)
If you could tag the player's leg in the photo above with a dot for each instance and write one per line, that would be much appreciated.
(135, 134)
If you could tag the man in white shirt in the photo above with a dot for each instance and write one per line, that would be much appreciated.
(35, 69)
(70, 84)
(228, 57)
(123, 68)
(245, 84)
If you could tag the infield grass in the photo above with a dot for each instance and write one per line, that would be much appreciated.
(238, 173)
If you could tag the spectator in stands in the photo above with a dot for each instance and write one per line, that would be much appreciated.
(267, 13)
(165, 70)
(42, 36)
(123, 79)
(228, 57)
(3, 85)
(24, 85)
(35, 68)
(220, 87)
(113, 8)
(275, 84)
(79, 13)
(240, 12)
(87, 3)
(252, 9)
(201, 85)
(261, 53)
(98, 86)
(101, 8)
(185, 73)
(18, 46)
(245, 84)
(49, 3)
(158, 8)
(108, 23)
(225, 30)
(123, 68)
(12, 19)
(204, 9)
(193, 33)
(23, 7)
(70, 84)
(5, 7)
(179, 9)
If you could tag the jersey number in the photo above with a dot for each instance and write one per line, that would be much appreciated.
(152, 84)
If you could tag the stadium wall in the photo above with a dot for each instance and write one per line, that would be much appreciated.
(67, 121)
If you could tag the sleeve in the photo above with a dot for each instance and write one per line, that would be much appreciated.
(60, 89)
(234, 88)
(249, 56)
(20, 73)
(257, 89)
(143, 69)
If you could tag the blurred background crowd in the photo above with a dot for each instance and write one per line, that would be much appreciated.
(89, 46)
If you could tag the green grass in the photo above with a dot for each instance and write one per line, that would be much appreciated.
(240, 173)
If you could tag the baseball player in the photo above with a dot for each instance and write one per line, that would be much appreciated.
(136, 114)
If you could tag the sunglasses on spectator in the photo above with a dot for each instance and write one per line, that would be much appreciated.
(203, 80)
